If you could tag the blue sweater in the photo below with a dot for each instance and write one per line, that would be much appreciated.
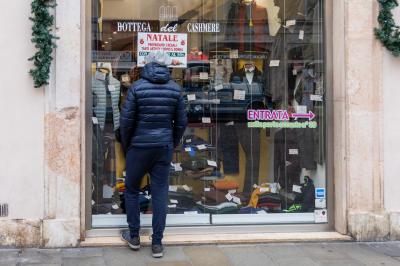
(154, 113)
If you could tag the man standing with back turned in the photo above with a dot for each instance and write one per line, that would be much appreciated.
(153, 121)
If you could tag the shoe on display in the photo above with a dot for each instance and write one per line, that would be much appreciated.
(133, 242)
(157, 251)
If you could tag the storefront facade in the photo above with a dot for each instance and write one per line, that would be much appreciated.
(289, 130)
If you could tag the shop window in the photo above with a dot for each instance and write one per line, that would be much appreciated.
(253, 81)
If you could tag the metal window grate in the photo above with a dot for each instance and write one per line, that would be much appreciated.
(4, 210)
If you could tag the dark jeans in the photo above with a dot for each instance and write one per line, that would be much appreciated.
(156, 162)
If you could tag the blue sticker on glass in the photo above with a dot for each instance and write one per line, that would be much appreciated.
(320, 193)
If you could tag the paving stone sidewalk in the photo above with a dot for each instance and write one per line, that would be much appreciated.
(291, 254)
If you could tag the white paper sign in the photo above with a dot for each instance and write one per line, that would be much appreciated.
(316, 98)
(173, 201)
(293, 151)
(111, 88)
(95, 120)
(230, 123)
(321, 216)
(228, 197)
(219, 87)
(296, 188)
(191, 97)
(201, 147)
(291, 22)
(274, 63)
(174, 44)
(100, 75)
(320, 203)
(239, 95)
(212, 163)
(173, 188)
(234, 53)
(301, 35)
(206, 120)
(203, 75)
(207, 189)
(301, 109)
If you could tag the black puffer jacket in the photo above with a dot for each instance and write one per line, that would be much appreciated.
(154, 113)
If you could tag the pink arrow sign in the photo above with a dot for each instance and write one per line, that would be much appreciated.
(310, 116)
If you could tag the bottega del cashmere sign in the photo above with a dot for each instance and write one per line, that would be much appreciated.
(44, 40)
(389, 32)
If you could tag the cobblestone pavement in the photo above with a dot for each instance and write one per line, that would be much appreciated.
(291, 254)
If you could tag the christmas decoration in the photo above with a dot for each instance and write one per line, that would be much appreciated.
(44, 40)
(389, 32)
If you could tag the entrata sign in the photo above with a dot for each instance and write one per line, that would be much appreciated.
(174, 44)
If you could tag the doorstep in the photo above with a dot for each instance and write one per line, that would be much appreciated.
(188, 239)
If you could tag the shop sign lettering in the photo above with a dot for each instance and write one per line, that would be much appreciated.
(203, 27)
(123, 26)
(279, 119)
(168, 28)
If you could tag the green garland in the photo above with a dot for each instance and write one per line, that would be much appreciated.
(389, 33)
(44, 41)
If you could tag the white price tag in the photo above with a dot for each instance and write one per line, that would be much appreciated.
(173, 201)
(234, 53)
(111, 88)
(232, 191)
(219, 87)
(189, 141)
(291, 22)
(100, 75)
(201, 147)
(320, 203)
(178, 167)
(301, 109)
(301, 35)
(264, 189)
(206, 120)
(191, 97)
(93, 202)
(172, 206)
(230, 123)
(316, 98)
(294, 72)
(188, 149)
(293, 151)
(203, 75)
(321, 216)
(124, 173)
(236, 200)
(147, 197)
(274, 63)
(173, 188)
(186, 187)
(95, 120)
(228, 197)
(207, 189)
(296, 188)
(115, 206)
(212, 163)
(239, 95)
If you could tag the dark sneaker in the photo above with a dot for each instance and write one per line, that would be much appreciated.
(134, 243)
(157, 251)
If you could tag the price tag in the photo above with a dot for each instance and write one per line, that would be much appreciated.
(301, 109)
(230, 123)
(173, 188)
(188, 149)
(189, 141)
(178, 167)
(234, 53)
(296, 188)
(172, 206)
(293, 151)
(320, 203)
(264, 189)
(316, 98)
(95, 120)
(100, 75)
(203, 75)
(239, 95)
(173, 201)
(206, 120)
(186, 187)
(148, 197)
(93, 202)
(115, 206)
(294, 72)
(274, 63)
(124, 173)
(301, 35)
(232, 191)
(321, 216)
(219, 87)
(201, 147)
(191, 212)
(291, 22)
(191, 97)
(111, 88)
(212, 163)
(207, 189)
(215, 101)
(228, 197)
(236, 200)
